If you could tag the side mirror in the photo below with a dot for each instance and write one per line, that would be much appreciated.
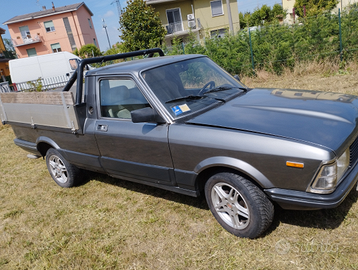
(74, 63)
(146, 115)
(237, 77)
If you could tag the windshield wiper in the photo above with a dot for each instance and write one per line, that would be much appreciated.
(223, 88)
(183, 98)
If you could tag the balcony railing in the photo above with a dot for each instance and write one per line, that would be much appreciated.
(26, 41)
(178, 27)
(174, 27)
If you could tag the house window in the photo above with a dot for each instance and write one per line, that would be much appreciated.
(218, 33)
(175, 23)
(25, 32)
(90, 23)
(31, 52)
(49, 26)
(95, 42)
(216, 8)
(56, 47)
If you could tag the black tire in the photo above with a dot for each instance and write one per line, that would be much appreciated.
(238, 205)
(63, 173)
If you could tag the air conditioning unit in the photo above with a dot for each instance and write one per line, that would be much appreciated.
(191, 24)
(190, 17)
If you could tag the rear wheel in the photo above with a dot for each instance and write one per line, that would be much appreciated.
(63, 173)
(238, 205)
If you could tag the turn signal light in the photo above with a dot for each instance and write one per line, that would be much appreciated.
(295, 164)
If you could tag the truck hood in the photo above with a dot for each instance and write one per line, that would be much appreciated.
(321, 118)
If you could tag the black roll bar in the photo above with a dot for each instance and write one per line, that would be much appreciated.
(78, 74)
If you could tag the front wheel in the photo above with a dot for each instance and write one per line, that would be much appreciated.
(238, 205)
(63, 173)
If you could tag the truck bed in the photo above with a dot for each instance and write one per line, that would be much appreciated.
(54, 109)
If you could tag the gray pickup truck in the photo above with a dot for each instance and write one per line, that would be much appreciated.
(183, 124)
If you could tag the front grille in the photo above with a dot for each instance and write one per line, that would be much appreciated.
(353, 150)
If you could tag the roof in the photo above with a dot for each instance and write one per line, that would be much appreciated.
(135, 66)
(2, 31)
(47, 12)
(154, 2)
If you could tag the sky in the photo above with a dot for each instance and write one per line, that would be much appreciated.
(101, 9)
(250, 5)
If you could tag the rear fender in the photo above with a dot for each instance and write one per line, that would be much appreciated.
(44, 143)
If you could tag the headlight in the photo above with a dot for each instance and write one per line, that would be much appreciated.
(330, 174)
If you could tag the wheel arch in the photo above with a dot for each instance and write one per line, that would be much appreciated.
(214, 165)
(44, 143)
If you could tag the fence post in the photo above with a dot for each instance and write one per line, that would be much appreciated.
(252, 54)
(340, 35)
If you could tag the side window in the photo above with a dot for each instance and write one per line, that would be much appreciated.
(118, 97)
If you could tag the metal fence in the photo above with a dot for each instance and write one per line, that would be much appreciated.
(42, 84)
(4, 87)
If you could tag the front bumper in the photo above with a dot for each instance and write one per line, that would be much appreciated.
(300, 200)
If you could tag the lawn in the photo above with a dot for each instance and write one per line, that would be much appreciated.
(108, 223)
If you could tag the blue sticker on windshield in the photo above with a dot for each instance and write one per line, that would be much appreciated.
(177, 110)
(180, 109)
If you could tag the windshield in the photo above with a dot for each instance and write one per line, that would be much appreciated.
(189, 86)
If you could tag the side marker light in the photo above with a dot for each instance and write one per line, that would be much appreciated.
(295, 164)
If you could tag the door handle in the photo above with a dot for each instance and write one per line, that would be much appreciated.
(102, 128)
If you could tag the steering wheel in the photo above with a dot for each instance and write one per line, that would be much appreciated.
(210, 84)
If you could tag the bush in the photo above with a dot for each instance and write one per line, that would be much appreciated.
(276, 46)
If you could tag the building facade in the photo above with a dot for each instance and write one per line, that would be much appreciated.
(201, 17)
(289, 4)
(5, 56)
(52, 30)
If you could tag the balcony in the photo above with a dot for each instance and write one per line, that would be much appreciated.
(174, 27)
(26, 41)
(177, 28)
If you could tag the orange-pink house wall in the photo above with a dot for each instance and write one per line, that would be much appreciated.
(78, 20)
(87, 32)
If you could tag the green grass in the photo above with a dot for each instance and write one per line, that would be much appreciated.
(108, 223)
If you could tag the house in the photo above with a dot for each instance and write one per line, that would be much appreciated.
(52, 30)
(288, 5)
(5, 56)
(201, 17)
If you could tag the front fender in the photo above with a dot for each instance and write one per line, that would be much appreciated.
(236, 164)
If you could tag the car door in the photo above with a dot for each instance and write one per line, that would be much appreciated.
(134, 151)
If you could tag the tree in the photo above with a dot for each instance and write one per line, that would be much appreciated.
(314, 7)
(244, 19)
(86, 51)
(262, 15)
(140, 26)
(9, 47)
(116, 48)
